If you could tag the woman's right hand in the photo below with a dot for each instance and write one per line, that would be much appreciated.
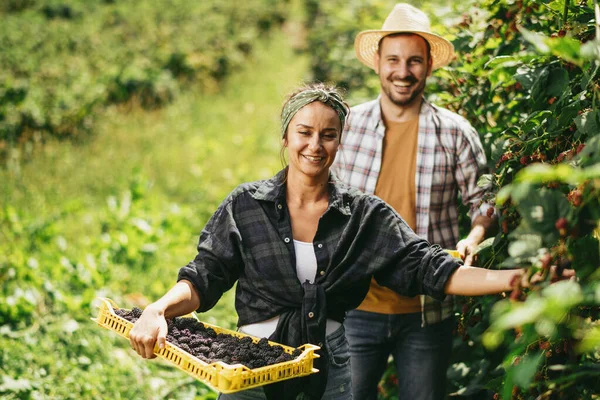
(149, 329)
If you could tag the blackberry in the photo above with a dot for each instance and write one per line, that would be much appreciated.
(276, 350)
(283, 358)
(185, 339)
(136, 312)
(122, 313)
(257, 363)
(222, 353)
(211, 333)
(185, 332)
(202, 349)
(188, 323)
(184, 347)
(263, 343)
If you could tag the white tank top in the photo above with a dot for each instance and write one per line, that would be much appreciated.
(306, 269)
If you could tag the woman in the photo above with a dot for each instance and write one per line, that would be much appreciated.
(303, 249)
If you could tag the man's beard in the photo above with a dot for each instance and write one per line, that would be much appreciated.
(416, 94)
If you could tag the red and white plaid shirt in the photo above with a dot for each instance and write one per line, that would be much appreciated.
(450, 159)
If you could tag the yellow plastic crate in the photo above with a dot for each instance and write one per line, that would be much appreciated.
(453, 253)
(221, 377)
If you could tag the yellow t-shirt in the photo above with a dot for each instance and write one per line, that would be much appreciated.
(396, 186)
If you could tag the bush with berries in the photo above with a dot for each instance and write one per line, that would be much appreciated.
(527, 77)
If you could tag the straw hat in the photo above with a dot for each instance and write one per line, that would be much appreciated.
(404, 18)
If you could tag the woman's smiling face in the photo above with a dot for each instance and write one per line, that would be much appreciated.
(312, 139)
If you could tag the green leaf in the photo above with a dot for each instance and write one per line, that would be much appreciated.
(558, 81)
(566, 48)
(537, 39)
(504, 194)
(492, 339)
(525, 370)
(590, 341)
(485, 180)
(587, 123)
(566, 293)
(520, 192)
(540, 210)
(538, 89)
(503, 61)
(544, 173)
(591, 50)
(525, 246)
(525, 76)
(587, 77)
(536, 120)
(520, 314)
(587, 256)
(569, 113)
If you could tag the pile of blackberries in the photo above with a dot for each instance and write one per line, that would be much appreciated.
(209, 346)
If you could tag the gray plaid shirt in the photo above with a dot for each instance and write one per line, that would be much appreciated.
(249, 240)
(450, 158)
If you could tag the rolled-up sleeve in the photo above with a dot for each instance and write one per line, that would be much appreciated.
(409, 265)
(470, 166)
(217, 265)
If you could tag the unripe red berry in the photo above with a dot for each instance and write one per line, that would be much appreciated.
(562, 224)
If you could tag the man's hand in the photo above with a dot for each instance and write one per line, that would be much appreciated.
(481, 227)
(466, 249)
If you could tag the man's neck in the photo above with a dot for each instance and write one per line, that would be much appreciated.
(395, 113)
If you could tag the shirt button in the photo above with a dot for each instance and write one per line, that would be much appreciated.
(279, 206)
(287, 240)
(322, 273)
(311, 314)
(320, 245)
(320, 344)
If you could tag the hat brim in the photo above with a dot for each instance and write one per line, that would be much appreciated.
(367, 43)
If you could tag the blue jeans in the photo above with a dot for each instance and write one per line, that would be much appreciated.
(338, 381)
(421, 354)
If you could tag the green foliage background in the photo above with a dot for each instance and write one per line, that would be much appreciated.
(124, 124)
(116, 213)
(63, 61)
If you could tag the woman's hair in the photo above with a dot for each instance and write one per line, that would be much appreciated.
(327, 94)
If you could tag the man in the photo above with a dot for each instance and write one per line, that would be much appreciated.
(416, 157)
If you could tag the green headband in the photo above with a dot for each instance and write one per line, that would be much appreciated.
(328, 98)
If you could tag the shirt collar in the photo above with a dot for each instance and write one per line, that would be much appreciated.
(273, 190)
(426, 109)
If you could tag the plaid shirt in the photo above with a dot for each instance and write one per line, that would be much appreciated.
(450, 158)
(249, 240)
